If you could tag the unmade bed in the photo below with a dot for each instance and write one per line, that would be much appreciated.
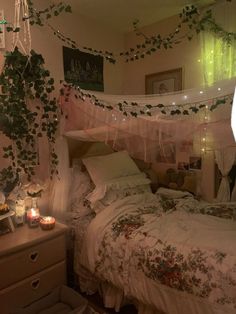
(166, 252)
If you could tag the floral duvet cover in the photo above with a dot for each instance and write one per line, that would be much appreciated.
(145, 242)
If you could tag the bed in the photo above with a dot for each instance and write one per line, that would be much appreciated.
(166, 251)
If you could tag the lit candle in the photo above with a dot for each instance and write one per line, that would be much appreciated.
(33, 217)
(47, 223)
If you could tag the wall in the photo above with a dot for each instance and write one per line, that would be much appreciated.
(184, 55)
(84, 31)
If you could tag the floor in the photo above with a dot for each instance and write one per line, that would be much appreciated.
(96, 302)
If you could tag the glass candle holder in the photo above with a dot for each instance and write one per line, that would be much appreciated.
(47, 223)
(19, 212)
(33, 217)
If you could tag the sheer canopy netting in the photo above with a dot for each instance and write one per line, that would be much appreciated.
(144, 135)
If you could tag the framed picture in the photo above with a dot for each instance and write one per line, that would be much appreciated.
(2, 30)
(164, 82)
(195, 163)
(83, 69)
(166, 154)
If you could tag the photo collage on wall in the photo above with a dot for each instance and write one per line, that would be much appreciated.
(83, 69)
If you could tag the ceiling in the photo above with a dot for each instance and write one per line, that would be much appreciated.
(120, 14)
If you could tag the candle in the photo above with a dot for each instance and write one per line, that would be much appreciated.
(20, 212)
(33, 217)
(47, 223)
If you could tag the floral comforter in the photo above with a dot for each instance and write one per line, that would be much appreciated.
(169, 243)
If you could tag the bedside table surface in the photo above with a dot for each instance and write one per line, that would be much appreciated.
(25, 236)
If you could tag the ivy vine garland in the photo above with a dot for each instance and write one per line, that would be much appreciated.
(133, 109)
(189, 17)
(28, 111)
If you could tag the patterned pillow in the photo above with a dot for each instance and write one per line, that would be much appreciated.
(113, 195)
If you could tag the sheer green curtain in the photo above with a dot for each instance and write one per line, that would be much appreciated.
(218, 58)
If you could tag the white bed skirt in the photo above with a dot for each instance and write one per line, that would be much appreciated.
(158, 295)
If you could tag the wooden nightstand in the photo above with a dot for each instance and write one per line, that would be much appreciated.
(32, 264)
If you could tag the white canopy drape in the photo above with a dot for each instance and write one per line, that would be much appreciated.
(143, 136)
(225, 159)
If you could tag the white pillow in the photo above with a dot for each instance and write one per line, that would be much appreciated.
(170, 193)
(117, 189)
(81, 186)
(108, 167)
(121, 183)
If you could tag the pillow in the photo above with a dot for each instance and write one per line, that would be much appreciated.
(115, 194)
(109, 167)
(169, 193)
(117, 184)
(81, 186)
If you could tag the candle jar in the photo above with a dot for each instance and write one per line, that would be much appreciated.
(47, 223)
(19, 212)
(33, 217)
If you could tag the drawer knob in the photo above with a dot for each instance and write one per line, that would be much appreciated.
(35, 284)
(33, 256)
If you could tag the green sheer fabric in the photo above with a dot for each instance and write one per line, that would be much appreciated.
(217, 57)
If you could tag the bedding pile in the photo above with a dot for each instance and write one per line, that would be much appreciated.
(166, 250)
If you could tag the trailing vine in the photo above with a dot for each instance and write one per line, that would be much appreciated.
(133, 109)
(194, 22)
(28, 111)
(189, 17)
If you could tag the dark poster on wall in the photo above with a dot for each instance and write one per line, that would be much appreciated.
(83, 69)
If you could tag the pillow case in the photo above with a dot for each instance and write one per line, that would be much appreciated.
(108, 167)
(81, 186)
(116, 189)
(117, 184)
(114, 195)
(170, 193)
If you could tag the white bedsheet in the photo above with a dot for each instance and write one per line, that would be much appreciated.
(163, 255)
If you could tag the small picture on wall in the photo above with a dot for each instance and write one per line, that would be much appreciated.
(166, 154)
(164, 82)
(195, 163)
(183, 165)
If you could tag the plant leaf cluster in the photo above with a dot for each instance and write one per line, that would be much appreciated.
(190, 23)
(28, 111)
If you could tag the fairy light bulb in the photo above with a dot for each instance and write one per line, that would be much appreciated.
(185, 96)
(219, 89)
(204, 139)
(201, 92)
(203, 150)
(173, 103)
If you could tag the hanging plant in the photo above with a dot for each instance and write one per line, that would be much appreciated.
(28, 111)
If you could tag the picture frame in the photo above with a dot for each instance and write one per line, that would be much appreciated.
(83, 69)
(195, 163)
(164, 82)
(166, 154)
(2, 34)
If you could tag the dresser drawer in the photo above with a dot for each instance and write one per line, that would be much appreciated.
(32, 288)
(31, 260)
